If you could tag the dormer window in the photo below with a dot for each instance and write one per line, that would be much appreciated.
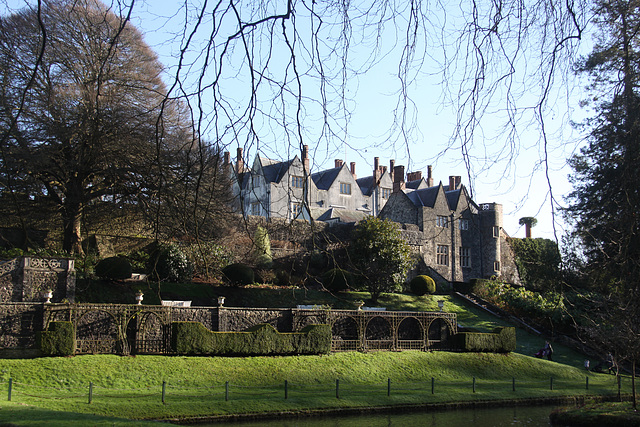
(345, 188)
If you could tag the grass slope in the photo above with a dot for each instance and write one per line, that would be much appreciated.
(195, 386)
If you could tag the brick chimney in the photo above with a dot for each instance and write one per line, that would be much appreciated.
(398, 179)
(376, 169)
(353, 170)
(392, 164)
(430, 176)
(239, 161)
(305, 158)
(454, 182)
(414, 176)
(338, 163)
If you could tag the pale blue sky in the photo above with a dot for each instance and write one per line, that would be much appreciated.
(519, 185)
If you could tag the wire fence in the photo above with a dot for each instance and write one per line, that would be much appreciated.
(181, 391)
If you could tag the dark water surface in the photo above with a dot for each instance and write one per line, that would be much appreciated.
(483, 417)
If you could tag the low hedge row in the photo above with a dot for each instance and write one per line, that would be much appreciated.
(194, 339)
(502, 340)
(58, 340)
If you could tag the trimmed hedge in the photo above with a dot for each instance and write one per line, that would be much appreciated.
(422, 285)
(58, 340)
(239, 274)
(194, 339)
(114, 268)
(502, 340)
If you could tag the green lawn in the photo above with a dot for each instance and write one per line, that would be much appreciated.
(195, 386)
(55, 391)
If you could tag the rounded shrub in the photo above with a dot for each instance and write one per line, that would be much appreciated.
(422, 285)
(337, 280)
(170, 264)
(239, 274)
(113, 268)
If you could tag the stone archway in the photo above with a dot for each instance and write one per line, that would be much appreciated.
(410, 334)
(345, 335)
(438, 334)
(378, 334)
(152, 335)
(97, 332)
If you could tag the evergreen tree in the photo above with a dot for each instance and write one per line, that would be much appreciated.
(380, 255)
(605, 203)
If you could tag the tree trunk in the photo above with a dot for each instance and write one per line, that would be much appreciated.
(72, 220)
(633, 384)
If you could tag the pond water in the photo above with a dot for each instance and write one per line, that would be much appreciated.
(483, 417)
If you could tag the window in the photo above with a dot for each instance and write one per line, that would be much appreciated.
(255, 208)
(442, 255)
(297, 181)
(464, 224)
(345, 188)
(386, 192)
(296, 210)
(496, 266)
(465, 257)
(255, 181)
(496, 231)
(441, 221)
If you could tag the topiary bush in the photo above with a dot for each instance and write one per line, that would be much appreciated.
(58, 340)
(422, 285)
(239, 274)
(501, 340)
(113, 268)
(337, 280)
(194, 339)
(170, 264)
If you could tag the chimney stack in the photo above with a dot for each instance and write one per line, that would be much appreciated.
(239, 161)
(392, 165)
(398, 179)
(338, 163)
(353, 170)
(429, 176)
(414, 176)
(454, 182)
(376, 168)
(305, 158)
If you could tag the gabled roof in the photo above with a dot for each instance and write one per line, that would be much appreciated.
(343, 215)
(424, 196)
(366, 184)
(274, 170)
(453, 197)
(324, 179)
(413, 185)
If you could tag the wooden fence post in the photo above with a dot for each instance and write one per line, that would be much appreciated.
(10, 387)
(286, 389)
(433, 384)
(164, 388)
(474, 384)
(90, 392)
(388, 386)
(551, 383)
(513, 384)
(226, 391)
(337, 389)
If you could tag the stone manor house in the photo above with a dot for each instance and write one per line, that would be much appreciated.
(457, 239)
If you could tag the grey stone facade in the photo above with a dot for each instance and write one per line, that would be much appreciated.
(26, 279)
(146, 329)
(456, 238)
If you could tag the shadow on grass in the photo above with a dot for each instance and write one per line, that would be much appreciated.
(13, 414)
